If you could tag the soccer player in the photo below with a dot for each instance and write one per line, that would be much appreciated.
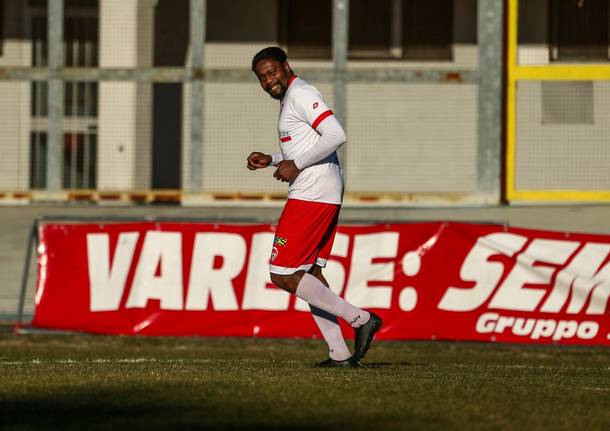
(309, 136)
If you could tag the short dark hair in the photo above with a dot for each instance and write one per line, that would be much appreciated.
(270, 53)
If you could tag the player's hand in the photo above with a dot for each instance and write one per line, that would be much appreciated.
(286, 171)
(258, 160)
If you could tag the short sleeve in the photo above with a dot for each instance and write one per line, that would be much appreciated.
(311, 107)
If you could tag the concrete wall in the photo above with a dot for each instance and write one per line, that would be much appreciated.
(125, 108)
(412, 137)
(15, 101)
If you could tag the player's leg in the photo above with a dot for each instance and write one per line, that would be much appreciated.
(329, 327)
(314, 292)
(364, 333)
(328, 323)
(311, 290)
(302, 227)
(302, 231)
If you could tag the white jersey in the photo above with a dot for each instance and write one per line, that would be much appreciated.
(301, 111)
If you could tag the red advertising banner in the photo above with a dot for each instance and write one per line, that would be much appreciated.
(449, 281)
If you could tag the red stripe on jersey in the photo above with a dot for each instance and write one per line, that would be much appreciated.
(321, 118)
(292, 78)
(286, 139)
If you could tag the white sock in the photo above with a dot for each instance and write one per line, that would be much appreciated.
(314, 292)
(331, 331)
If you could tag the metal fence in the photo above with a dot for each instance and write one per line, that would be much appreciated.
(558, 128)
(142, 100)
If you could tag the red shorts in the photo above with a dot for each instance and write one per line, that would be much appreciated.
(304, 236)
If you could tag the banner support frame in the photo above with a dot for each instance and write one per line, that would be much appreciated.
(32, 239)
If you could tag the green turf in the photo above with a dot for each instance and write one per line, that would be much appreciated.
(97, 382)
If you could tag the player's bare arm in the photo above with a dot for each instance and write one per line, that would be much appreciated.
(257, 160)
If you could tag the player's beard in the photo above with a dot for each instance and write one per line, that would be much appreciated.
(280, 95)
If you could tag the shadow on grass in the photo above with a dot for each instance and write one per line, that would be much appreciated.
(81, 409)
(108, 409)
(157, 409)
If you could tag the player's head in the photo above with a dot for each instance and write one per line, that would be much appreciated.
(271, 67)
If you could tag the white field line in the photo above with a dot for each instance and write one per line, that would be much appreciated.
(208, 361)
(124, 361)
(87, 361)
(531, 367)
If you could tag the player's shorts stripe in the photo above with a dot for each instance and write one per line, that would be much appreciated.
(286, 139)
(282, 270)
(321, 118)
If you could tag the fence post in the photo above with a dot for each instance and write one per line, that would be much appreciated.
(197, 35)
(55, 141)
(489, 134)
(340, 46)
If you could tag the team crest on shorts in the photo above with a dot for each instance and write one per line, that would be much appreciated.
(280, 240)
(274, 253)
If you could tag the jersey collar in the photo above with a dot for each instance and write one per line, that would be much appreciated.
(290, 81)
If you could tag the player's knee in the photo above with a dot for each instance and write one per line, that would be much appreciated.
(280, 281)
(315, 270)
(288, 283)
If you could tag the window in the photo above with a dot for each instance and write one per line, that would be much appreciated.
(579, 30)
(428, 30)
(78, 160)
(371, 29)
(81, 47)
(306, 28)
(378, 29)
(38, 163)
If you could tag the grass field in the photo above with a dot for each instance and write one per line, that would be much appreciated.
(98, 382)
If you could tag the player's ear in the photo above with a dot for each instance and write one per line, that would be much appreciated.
(286, 67)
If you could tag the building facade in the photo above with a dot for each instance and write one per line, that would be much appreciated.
(420, 95)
